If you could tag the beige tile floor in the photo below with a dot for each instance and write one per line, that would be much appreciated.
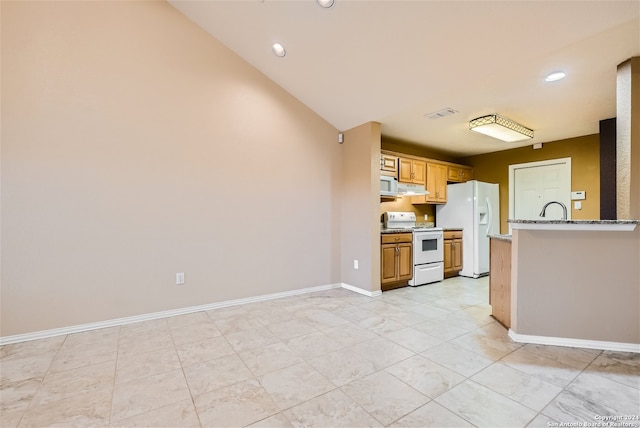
(414, 357)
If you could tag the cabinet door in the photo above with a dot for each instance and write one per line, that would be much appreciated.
(431, 182)
(437, 183)
(388, 263)
(448, 256)
(412, 171)
(388, 163)
(405, 173)
(457, 254)
(454, 174)
(441, 189)
(459, 174)
(405, 262)
(419, 172)
(466, 174)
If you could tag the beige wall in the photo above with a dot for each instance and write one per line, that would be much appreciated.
(585, 290)
(360, 197)
(585, 171)
(135, 146)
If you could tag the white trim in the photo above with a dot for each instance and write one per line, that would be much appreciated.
(575, 343)
(156, 315)
(361, 291)
(610, 227)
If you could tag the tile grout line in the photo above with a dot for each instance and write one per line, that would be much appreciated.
(184, 376)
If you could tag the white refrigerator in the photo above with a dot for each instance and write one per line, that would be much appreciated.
(475, 207)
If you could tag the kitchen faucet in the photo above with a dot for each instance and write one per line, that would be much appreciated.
(564, 209)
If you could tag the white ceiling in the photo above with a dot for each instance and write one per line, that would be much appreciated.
(395, 61)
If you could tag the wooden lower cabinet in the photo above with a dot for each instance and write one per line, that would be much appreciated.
(500, 280)
(452, 253)
(396, 260)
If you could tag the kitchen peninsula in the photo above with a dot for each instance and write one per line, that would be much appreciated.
(576, 283)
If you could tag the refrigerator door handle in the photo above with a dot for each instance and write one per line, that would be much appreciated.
(490, 215)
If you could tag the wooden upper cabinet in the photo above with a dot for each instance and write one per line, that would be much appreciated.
(412, 171)
(432, 173)
(436, 183)
(389, 165)
(459, 174)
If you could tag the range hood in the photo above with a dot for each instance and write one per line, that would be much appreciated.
(407, 189)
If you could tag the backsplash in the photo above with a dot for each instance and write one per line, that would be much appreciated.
(404, 204)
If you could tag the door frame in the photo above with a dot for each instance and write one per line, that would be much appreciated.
(512, 175)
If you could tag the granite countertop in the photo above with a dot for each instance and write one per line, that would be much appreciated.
(396, 231)
(501, 237)
(449, 229)
(426, 224)
(574, 221)
(575, 225)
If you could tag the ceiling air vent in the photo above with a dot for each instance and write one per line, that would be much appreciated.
(441, 113)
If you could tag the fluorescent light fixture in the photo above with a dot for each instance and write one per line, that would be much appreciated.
(325, 3)
(501, 128)
(558, 75)
(278, 49)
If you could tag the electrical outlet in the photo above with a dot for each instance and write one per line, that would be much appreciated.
(355, 264)
(180, 278)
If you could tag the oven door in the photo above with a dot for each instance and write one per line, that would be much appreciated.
(428, 247)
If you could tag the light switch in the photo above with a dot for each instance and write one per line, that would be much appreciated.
(577, 205)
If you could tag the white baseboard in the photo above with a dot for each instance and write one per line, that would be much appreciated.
(575, 343)
(6, 340)
(361, 291)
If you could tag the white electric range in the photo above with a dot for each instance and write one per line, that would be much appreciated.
(428, 250)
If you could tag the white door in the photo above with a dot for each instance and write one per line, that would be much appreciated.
(531, 185)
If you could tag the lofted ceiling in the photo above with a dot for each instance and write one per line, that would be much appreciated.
(396, 61)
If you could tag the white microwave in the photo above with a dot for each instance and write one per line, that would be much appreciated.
(388, 186)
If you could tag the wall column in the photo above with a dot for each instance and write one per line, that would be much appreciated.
(628, 140)
(360, 207)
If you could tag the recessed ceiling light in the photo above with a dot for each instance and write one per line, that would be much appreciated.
(278, 49)
(558, 75)
(325, 3)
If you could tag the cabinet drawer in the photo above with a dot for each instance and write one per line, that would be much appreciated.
(453, 234)
(394, 238)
